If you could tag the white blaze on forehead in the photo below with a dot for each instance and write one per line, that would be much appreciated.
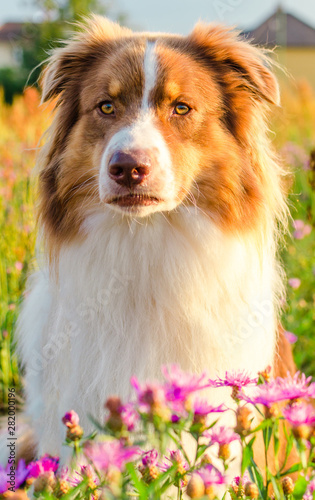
(150, 73)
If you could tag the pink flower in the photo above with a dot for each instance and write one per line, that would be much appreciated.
(150, 458)
(294, 283)
(211, 476)
(281, 389)
(19, 266)
(237, 379)
(310, 490)
(290, 337)
(301, 229)
(221, 435)
(296, 387)
(148, 394)
(129, 416)
(299, 414)
(176, 458)
(107, 454)
(241, 480)
(71, 419)
(45, 464)
(202, 408)
(86, 471)
(295, 155)
(179, 385)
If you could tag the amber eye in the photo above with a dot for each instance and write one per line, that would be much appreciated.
(107, 108)
(181, 109)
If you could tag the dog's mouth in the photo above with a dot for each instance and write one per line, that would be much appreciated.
(134, 200)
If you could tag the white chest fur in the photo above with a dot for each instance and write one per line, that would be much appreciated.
(139, 294)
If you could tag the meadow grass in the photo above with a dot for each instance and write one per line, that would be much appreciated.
(21, 128)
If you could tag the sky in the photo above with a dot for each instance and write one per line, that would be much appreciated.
(178, 16)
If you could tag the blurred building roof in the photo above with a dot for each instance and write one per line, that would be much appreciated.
(10, 31)
(282, 28)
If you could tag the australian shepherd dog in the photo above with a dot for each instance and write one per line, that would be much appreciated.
(160, 207)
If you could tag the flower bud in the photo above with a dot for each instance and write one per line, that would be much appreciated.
(224, 451)
(113, 404)
(301, 431)
(195, 487)
(235, 393)
(70, 419)
(272, 412)
(63, 488)
(74, 433)
(243, 422)
(266, 374)
(287, 485)
(251, 490)
(210, 492)
(205, 459)
(45, 482)
(15, 495)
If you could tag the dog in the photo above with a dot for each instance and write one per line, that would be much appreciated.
(161, 203)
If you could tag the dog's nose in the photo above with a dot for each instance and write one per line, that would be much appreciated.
(129, 169)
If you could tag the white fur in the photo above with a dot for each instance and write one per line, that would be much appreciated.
(137, 294)
(150, 74)
(142, 132)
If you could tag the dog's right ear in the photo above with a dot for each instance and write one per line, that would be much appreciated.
(66, 64)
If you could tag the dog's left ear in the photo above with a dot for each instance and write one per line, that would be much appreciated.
(68, 63)
(231, 55)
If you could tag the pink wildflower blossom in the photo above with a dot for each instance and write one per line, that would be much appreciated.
(180, 385)
(201, 407)
(79, 476)
(281, 389)
(129, 416)
(45, 464)
(19, 266)
(150, 458)
(108, 454)
(148, 394)
(238, 480)
(211, 476)
(71, 419)
(309, 494)
(301, 229)
(299, 414)
(237, 379)
(291, 337)
(176, 458)
(296, 387)
(294, 283)
(221, 435)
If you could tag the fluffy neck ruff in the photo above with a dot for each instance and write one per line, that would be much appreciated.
(140, 294)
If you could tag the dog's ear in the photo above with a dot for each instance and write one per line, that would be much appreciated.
(233, 56)
(66, 64)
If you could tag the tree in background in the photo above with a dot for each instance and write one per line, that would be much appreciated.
(38, 39)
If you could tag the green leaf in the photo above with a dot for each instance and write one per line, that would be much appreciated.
(267, 434)
(138, 484)
(294, 468)
(274, 483)
(257, 478)
(300, 488)
(201, 449)
(247, 455)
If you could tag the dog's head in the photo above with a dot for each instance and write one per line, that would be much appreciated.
(146, 122)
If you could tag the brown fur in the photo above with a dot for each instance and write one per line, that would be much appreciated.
(225, 81)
